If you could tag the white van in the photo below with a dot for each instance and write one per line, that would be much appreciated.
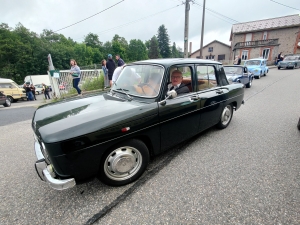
(12, 90)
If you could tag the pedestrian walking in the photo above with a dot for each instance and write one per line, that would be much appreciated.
(111, 66)
(105, 72)
(46, 91)
(239, 61)
(29, 94)
(75, 72)
(120, 62)
(32, 87)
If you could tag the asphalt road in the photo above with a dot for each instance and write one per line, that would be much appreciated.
(248, 173)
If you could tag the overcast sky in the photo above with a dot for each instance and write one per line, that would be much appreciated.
(37, 15)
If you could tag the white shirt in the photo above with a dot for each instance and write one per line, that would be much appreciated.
(175, 87)
(116, 74)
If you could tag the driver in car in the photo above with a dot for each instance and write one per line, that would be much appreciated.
(176, 83)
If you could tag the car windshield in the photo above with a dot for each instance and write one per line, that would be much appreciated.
(139, 80)
(233, 70)
(289, 58)
(252, 63)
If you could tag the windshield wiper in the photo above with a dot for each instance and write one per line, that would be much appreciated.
(124, 91)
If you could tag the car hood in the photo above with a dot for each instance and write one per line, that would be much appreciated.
(287, 61)
(253, 67)
(65, 120)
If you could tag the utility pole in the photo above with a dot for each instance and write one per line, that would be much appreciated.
(202, 31)
(186, 28)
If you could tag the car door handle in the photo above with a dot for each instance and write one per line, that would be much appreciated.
(219, 91)
(194, 98)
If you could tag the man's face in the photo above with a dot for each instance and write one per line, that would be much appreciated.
(176, 78)
(117, 57)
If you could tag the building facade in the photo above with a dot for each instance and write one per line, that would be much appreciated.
(266, 38)
(214, 50)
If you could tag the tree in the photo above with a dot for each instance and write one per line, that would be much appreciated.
(120, 46)
(163, 42)
(175, 53)
(136, 50)
(92, 40)
(153, 52)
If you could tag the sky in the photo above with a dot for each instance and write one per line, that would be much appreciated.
(140, 19)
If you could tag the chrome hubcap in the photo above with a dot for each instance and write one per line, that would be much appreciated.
(122, 163)
(226, 115)
(7, 102)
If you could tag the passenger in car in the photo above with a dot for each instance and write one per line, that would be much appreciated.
(176, 83)
(152, 87)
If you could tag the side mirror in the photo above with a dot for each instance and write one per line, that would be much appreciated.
(170, 94)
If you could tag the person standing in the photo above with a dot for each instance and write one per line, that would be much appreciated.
(29, 95)
(46, 91)
(239, 61)
(279, 57)
(32, 87)
(105, 71)
(75, 72)
(120, 61)
(111, 66)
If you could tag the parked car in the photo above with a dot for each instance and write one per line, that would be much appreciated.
(258, 67)
(289, 62)
(112, 136)
(4, 100)
(12, 90)
(239, 74)
(38, 89)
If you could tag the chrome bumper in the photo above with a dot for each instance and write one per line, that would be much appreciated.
(45, 173)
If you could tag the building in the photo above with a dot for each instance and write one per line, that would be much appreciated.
(266, 38)
(214, 50)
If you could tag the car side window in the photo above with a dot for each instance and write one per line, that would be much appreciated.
(222, 76)
(186, 76)
(206, 77)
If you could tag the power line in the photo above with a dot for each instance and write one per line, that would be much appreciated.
(89, 16)
(284, 5)
(134, 21)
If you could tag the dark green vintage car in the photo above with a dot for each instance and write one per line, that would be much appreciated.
(152, 106)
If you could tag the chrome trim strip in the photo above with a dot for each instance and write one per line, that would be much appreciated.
(58, 184)
(44, 174)
(38, 151)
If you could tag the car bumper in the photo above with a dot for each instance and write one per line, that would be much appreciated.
(46, 173)
(285, 66)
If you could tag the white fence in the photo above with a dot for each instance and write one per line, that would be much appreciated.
(62, 82)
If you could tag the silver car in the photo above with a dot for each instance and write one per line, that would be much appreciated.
(289, 62)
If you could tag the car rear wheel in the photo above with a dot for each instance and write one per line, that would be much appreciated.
(226, 117)
(249, 84)
(7, 103)
(279, 67)
(124, 163)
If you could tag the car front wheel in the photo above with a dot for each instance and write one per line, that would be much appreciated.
(226, 117)
(249, 84)
(124, 163)
(7, 103)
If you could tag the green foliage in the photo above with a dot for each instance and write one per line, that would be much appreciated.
(137, 50)
(23, 52)
(163, 42)
(153, 50)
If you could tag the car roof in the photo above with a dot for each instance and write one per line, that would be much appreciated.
(4, 80)
(234, 66)
(256, 59)
(172, 61)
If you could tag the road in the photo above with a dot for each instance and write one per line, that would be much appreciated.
(248, 173)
